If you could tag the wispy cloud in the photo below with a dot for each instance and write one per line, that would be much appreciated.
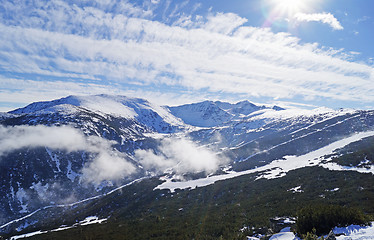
(106, 163)
(131, 51)
(180, 155)
(327, 18)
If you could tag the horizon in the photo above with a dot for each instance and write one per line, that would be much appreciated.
(289, 106)
(299, 54)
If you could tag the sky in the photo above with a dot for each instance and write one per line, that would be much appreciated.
(293, 53)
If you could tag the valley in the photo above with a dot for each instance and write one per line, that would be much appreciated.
(197, 171)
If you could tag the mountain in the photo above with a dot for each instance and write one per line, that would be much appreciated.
(204, 114)
(203, 170)
(154, 117)
(243, 108)
(33, 177)
(212, 114)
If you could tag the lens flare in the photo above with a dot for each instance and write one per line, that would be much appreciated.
(289, 7)
(280, 11)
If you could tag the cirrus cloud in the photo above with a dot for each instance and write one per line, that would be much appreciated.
(93, 46)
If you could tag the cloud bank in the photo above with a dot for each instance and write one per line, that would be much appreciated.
(181, 156)
(106, 164)
(327, 18)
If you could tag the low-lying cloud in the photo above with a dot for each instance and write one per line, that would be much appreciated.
(180, 155)
(106, 164)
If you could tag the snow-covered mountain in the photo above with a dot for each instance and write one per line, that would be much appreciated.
(244, 108)
(212, 114)
(204, 114)
(155, 117)
(61, 152)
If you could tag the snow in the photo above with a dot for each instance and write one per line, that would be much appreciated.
(333, 190)
(210, 114)
(25, 225)
(22, 196)
(327, 113)
(355, 232)
(202, 114)
(279, 168)
(26, 235)
(352, 232)
(70, 173)
(296, 190)
(63, 108)
(336, 167)
(108, 105)
(70, 204)
(86, 221)
(286, 220)
(284, 235)
(91, 220)
(289, 221)
(155, 116)
(54, 158)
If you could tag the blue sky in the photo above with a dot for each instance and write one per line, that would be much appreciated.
(295, 53)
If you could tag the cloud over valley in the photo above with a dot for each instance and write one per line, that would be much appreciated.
(106, 163)
(180, 155)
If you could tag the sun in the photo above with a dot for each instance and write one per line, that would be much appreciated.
(290, 7)
(281, 12)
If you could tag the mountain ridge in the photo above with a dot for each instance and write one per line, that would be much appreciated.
(159, 145)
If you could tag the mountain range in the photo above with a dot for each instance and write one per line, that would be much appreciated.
(123, 164)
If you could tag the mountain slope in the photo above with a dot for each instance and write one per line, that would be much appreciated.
(204, 114)
(55, 154)
(35, 175)
(155, 117)
(211, 114)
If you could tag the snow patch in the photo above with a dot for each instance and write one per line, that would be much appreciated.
(91, 220)
(333, 190)
(26, 235)
(285, 220)
(22, 196)
(54, 158)
(70, 204)
(284, 236)
(279, 168)
(296, 190)
(70, 173)
(336, 167)
(354, 232)
(87, 221)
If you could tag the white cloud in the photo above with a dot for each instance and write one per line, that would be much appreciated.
(224, 23)
(327, 18)
(23, 92)
(107, 163)
(216, 54)
(181, 155)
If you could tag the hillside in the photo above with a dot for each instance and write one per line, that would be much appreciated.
(204, 170)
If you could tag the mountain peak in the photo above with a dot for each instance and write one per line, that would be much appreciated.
(154, 116)
(202, 114)
(109, 104)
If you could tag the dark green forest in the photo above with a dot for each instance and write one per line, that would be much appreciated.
(221, 210)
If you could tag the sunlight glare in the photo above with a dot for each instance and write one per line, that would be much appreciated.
(290, 7)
